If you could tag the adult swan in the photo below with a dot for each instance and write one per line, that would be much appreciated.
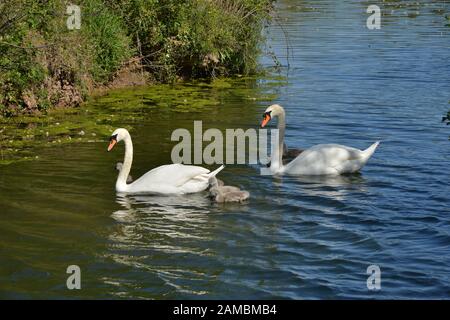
(166, 179)
(321, 159)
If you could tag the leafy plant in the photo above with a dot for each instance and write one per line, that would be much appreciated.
(42, 63)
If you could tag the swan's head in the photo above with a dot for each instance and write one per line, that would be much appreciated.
(274, 110)
(117, 136)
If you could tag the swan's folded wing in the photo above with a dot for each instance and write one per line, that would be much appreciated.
(171, 174)
(323, 158)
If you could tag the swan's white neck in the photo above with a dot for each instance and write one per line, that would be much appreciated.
(121, 183)
(277, 151)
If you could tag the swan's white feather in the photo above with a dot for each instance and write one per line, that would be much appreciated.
(166, 179)
(172, 179)
(328, 159)
(173, 174)
(321, 159)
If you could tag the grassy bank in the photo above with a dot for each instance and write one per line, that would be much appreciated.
(45, 64)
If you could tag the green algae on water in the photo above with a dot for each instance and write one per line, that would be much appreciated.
(21, 137)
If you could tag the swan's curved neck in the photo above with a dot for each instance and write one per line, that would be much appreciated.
(277, 151)
(121, 182)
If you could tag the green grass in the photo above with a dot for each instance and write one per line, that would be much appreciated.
(42, 63)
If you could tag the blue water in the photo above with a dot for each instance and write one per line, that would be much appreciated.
(352, 85)
(297, 237)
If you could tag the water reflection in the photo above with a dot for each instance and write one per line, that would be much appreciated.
(154, 226)
(174, 216)
(333, 181)
(161, 223)
(338, 188)
(332, 187)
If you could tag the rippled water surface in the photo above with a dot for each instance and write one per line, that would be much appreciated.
(297, 237)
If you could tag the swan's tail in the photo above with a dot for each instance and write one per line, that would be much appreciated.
(215, 172)
(369, 151)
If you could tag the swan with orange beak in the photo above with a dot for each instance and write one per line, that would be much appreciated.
(321, 159)
(166, 179)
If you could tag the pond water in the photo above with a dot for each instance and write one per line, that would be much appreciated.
(297, 237)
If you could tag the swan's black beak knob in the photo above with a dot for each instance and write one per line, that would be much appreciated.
(112, 142)
(266, 119)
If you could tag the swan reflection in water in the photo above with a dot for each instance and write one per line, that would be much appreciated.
(171, 214)
(163, 223)
(167, 236)
(334, 187)
(343, 180)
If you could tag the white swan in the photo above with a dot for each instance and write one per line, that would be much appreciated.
(119, 166)
(321, 159)
(166, 179)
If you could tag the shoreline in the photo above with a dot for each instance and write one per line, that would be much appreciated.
(50, 74)
(47, 64)
(97, 117)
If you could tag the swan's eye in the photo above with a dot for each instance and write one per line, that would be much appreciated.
(114, 137)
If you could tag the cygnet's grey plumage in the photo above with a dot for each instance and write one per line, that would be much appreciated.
(232, 196)
(221, 193)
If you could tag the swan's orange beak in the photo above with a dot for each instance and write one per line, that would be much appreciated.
(266, 119)
(112, 143)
